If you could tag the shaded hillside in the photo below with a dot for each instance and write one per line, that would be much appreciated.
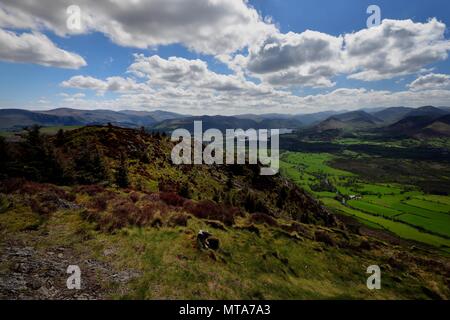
(349, 121)
(280, 124)
(421, 127)
(428, 111)
(314, 118)
(392, 115)
(296, 120)
(439, 128)
(339, 125)
(357, 116)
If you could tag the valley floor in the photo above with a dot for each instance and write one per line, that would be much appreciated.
(402, 209)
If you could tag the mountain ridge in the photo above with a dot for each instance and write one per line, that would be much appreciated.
(160, 120)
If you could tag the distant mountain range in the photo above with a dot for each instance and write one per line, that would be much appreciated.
(424, 121)
(218, 122)
(399, 122)
(157, 115)
(226, 122)
(296, 119)
(419, 126)
(349, 121)
(17, 118)
(428, 111)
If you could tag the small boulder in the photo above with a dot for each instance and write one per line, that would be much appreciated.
(213, 243)
(205, 240)
(202, 237)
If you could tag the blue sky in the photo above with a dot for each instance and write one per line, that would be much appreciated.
(336, 17)
(345, 16)
(29, 79)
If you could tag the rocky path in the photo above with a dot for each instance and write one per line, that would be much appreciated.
(27, 273)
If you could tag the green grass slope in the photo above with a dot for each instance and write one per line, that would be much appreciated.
(110, 201)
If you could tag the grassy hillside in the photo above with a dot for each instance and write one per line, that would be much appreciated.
(110, 201)
(259, 258)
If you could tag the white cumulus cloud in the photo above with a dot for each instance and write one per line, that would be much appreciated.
(36, 48)
(394, 48)
(114, 84)
(431, 81)
(207, 26)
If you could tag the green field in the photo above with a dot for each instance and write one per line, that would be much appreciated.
(442, 142)
(373, 208)
(429, 205)
(400, 209)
